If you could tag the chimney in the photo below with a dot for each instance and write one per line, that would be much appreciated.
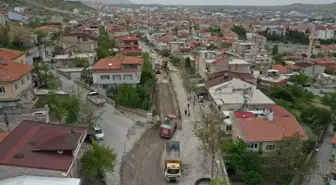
(270, 116)
(2, 60)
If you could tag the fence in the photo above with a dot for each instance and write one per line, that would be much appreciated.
(140, 112)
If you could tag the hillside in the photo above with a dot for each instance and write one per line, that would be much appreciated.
(46, 7)
(116, 2)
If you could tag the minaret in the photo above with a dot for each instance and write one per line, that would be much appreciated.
(312, 38)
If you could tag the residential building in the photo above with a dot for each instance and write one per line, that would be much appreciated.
(79, 43)
(116, 70)
(225, 76)
(273, 77)
(327, 63)
(260, 41)
(260, 62)
(162, 43)
(239, 66)
(263, 133)
(16, 16)
(41, 149)
(115, 31)
(244, 49)
(13, 55)
(284, 70)
(310, 69)
(210, 63)
(204, 33)
(235, 94)
(15, 83)
(38, 180)
(128, 44)
(68, 61)
(325, 32)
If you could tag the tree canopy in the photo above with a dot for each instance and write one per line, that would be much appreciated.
(97, 160)
(105, 44)
(240, 31)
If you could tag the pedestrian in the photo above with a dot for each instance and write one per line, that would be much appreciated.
(189, 113)
(188, 106)
(185, 112)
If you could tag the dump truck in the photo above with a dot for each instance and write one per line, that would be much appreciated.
(95, 99)
(168, 126)
(172, 161)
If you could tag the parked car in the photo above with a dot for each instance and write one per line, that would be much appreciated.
(95, 98)
(98, 132)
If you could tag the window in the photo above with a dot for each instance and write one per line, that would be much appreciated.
(2, 90)
(252, 145)
(116, 77)
(105, 77)
(16, 86)
(270, 147)
(28, 77)
(22, 81)
(127, 77)
(229, 128)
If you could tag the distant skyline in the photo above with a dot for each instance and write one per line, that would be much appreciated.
(229, 2)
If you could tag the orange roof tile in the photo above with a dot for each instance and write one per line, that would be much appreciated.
(11, 71)
(10, 54)
(116, 62)
(334, 140)
(46, 28)
(3, 135)
(260, 129)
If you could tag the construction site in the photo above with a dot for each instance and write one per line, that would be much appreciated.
(144, 165)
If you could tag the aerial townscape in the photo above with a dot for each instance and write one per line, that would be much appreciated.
(118, 92)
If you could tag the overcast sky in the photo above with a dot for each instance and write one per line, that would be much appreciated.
(231, 2)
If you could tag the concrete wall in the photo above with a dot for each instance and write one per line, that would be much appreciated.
(312, 70)
(14, 89)
(98, 81)
(13, 171)
(37, 51)
(21, 59)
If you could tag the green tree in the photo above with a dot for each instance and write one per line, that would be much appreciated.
(275, 50)
(288, 162)
(300, 79)
(80, 62)
(240, 31)
(329, 99)
(97, 160)
(245, 161)
(45, 77)
(218, 181)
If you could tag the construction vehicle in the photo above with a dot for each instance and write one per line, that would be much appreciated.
(168, 126)
(172, 161)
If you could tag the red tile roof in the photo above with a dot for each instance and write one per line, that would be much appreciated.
(240, 114)
(10, 54)
(282, 69)
(219, 78)
(11, 71)
(128, 38)
(279, 111)
(130, 51)
(164, 38)
(75, 34)
(3, 135)
(116, 63)
(224, 58)
(334, 140)
(304, 64)
(323, 61)
(47, 28)
(260, 129)
(35, 144)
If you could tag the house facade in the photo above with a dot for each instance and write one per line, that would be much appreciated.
(116, 70)
(128, 44)
(263, 133)
(13, 55)
(49, 150)
(309, 69)
(15, 83)
(79, 43)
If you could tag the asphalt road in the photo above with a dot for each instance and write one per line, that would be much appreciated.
(323, 157)
(115, 126)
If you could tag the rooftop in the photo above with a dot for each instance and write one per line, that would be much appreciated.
(37, 180)
(128, 38)
(47, 28)
(261, 129)
(225, 76)
(3, 135)
(116, 62)
(36, 144)
(304, 64)
(238, 61)
(10, 54)
(11, 71)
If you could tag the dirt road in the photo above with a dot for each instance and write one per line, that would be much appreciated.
(143, 165)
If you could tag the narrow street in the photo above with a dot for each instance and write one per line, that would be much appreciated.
(143, 165)
(115, 126)
(322, 158)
